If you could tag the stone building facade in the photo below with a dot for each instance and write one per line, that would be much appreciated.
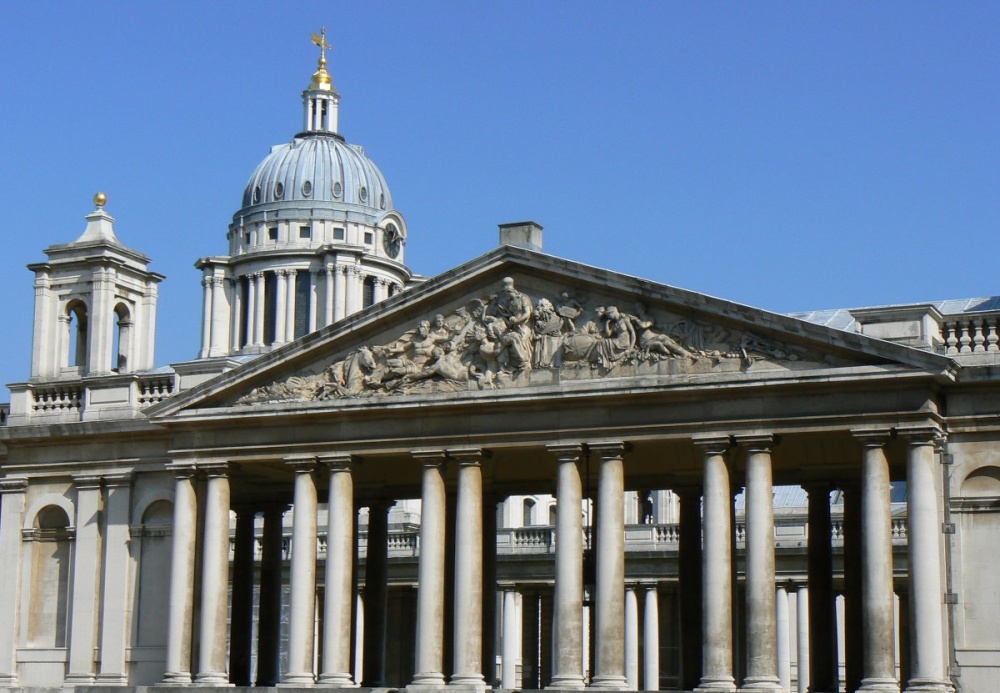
(476, 480)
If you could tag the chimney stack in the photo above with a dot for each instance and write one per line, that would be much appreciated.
(522, 234)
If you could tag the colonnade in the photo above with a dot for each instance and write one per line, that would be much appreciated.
(614, 607)
(233, 310)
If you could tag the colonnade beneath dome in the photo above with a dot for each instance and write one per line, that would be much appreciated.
(266, 308)
(593, 615)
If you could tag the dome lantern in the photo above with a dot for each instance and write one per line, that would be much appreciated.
(320, 101)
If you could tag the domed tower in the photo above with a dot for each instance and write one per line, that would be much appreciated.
(317, 238)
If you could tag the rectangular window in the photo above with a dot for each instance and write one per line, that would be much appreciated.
(339, 234)
(305, 233)
(272, 233)
(303, 281)
(246, 237)
(244, 309)
(369, 238)
(270, 306)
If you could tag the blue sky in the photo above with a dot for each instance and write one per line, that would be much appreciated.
(791, 156)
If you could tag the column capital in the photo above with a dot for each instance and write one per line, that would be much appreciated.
(13, 485)
(926, 434)
(713, 444)
(468, 456)
(430, 458)
(338, 461)
(566, 452)
(182, 470)
(302, 463)
(117, 480)
(215, 469)
(872, 437)
(87, 481)
(609, 449)
(757, 442)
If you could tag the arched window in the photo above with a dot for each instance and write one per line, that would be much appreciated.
(526, 510)
(369, 291)
(76, 354)
(122, 344)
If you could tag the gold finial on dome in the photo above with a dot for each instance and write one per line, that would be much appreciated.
(321, 78)
(100, 199)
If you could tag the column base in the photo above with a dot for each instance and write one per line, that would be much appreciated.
(609, 683)
(567, 682)
(219, 679)
(928, 686)
(474, 683)
(298, 680)
(761, 684)
(111, 680)
(79, 679)
(426, 681)
(716, 684)
(173, 678)
(879, 684)
(336, 681)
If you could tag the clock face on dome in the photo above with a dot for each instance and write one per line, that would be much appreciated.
(392, 240)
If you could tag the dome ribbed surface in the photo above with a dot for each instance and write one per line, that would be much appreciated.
(318, 169)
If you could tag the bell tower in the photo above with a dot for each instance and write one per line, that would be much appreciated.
(95, 305)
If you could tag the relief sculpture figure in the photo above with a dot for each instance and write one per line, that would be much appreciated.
(500, 341)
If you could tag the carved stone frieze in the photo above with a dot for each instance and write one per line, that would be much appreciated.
(509, 339)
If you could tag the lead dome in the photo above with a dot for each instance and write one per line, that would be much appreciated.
(318, 167)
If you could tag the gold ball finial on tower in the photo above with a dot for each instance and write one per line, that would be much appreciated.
(321, 78)
(100, 199)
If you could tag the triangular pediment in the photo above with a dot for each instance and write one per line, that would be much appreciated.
(516, 319)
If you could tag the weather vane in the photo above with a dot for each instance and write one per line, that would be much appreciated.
(320, 40)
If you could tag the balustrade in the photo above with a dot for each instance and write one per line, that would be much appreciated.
(977, 333)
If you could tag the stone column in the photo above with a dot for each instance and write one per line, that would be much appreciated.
(876, 559)
(281, 306)
(468, 629)
(115, 600)
(292, 277)
(180, 619)
(761, 633)
(609, 591)
(802, 638)
(86, 579)
(214, 579)
(631, 639)
(219, 318)
(822, 606)
(269, 611)
(567, 632)
(314, 276)
(651, 640)
(339, 292)
(302, 605)
(927, 667)
(12, 492)
(240, 643)
(784, 648)
(328, 281)
(376, 593)
(340, 549)
(235, 315)
(251, 310)
(508, 675)
(430, 573)
(206, 316)
(258, 309)
(490, 593)
(689, 574)
(717, 576)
